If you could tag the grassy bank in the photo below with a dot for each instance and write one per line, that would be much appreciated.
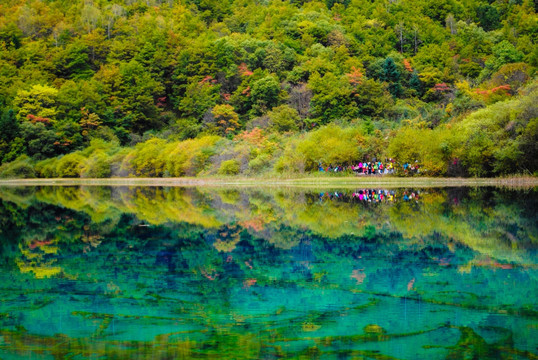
(302, 181)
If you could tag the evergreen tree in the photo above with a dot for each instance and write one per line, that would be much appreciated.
(9, 126)
(489, 17)
(11, 145)
(415, 83)
(391, 75)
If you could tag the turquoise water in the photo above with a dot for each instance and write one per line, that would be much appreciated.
(100, 272)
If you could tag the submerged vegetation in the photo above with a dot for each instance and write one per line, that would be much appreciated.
(98, 89)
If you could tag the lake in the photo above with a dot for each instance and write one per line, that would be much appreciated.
(93, 272)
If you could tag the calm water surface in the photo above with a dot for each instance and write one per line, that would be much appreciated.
(165, 273)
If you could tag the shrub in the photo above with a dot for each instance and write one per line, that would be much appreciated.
(47, 168)
(432, 148)
(259, 163)
(189, 157)
(330, 144)
(500, 138)
(20, 168)
(229, 167)
(96, 166)
(70, 165)
(291, 161)
(145, 159)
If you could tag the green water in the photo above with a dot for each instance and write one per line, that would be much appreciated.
(166, 273)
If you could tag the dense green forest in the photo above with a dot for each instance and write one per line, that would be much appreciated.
(204, 87)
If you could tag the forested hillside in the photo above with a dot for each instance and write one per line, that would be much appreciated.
(201, 87)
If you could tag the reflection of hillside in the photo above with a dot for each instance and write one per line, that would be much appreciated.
(275, 273)
(480, 225)
(152, 205)
(491, 222)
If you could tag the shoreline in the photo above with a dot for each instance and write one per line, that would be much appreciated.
(374, 181)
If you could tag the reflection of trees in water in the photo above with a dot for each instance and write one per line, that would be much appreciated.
(256, 209)
(197, 252)
(366, 196)
(492, 221)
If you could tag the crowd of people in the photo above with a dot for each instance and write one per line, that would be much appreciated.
(373, 167)
(371, 195)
